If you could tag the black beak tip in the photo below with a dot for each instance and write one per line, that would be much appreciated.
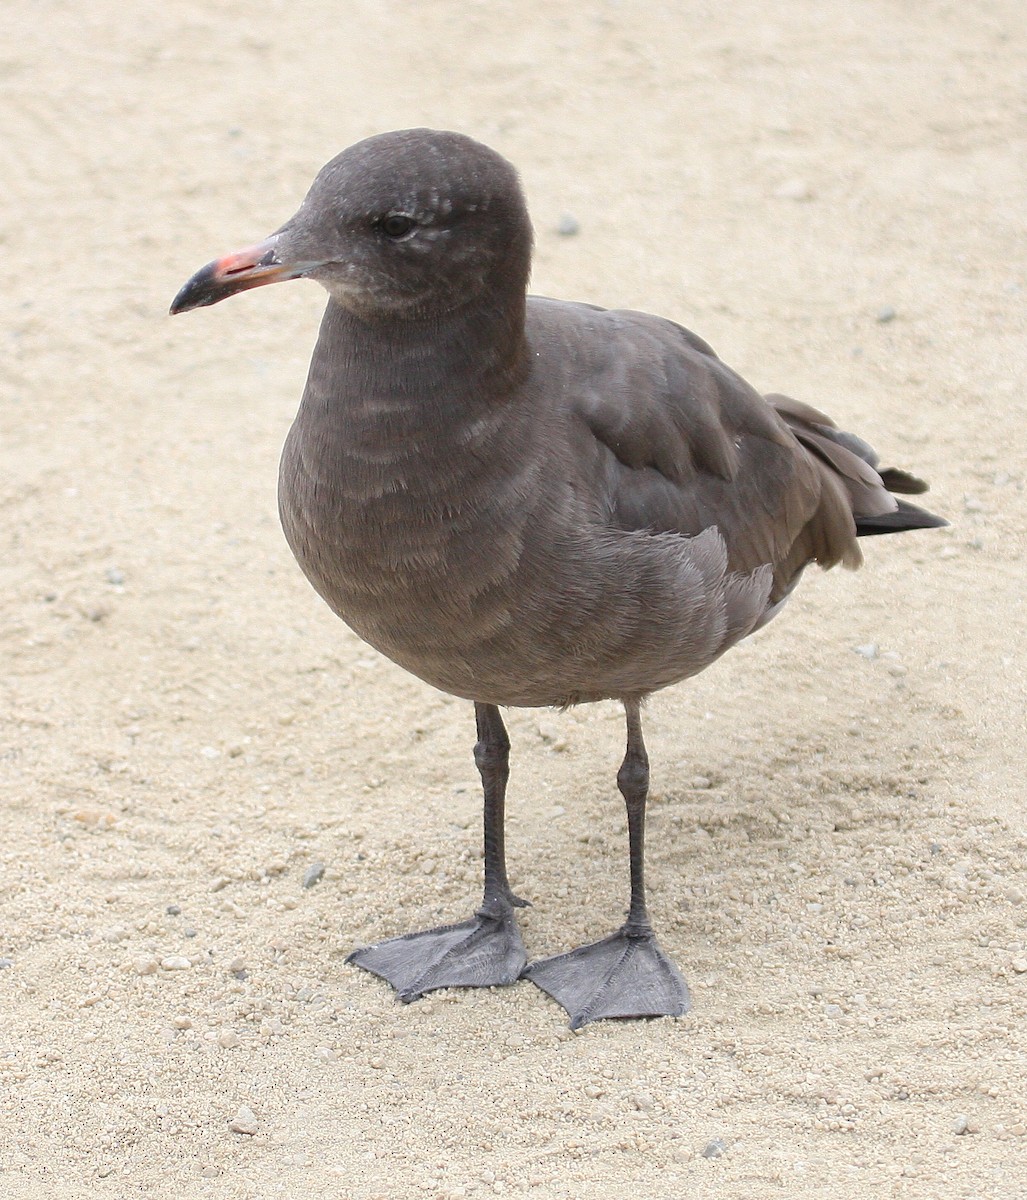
(202, 289)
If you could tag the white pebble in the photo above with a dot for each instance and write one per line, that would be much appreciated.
(175, 962)
(794, 189)
(244, 1121)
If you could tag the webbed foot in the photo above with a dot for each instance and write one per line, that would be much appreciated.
(485, 951)
(624, 975)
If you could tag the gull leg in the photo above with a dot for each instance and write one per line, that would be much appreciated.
(626, 974)
(485, 951)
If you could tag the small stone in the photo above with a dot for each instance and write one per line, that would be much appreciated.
(173, 910)
(220, 883)
(115, 576)
(869, 650)
(568, 225)
(228, 1039)
(715, 1149)
(700, 782)
(145, 964)
(182, 1023)
(244, 1121)
(963, 1125)
(1019, 965)
(313, 874)
(5, 963)
(886, 314)
(94, 818)
(794, 189)
(175, 962)
(210, 752)
(549, 731)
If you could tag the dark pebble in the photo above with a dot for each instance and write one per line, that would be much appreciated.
(313, 874)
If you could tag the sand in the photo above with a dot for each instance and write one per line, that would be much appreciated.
(833, 194)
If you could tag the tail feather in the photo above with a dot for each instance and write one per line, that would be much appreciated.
(854, 465)
(906, 516)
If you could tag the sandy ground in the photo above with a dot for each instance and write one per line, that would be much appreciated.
(837, 838)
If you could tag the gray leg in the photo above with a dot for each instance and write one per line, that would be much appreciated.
(626, 974)
(485, 951)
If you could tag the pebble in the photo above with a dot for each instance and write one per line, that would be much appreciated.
(568, 225)
(94, 817)
(173, 910)
(244, 1121)
(551, 732)
(886, 314)
(869, 651)
(1019, 965)
(175, 962)
(228, 1039)
(313, 874)
(5, 963)
(715, 1149)
(794, 189)
(145, 965)
(182, 1023)
(963, 1125)
(115, 576)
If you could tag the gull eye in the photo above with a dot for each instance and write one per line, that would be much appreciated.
(396, 225)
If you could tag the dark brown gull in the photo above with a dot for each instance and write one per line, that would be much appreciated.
(532, 502)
